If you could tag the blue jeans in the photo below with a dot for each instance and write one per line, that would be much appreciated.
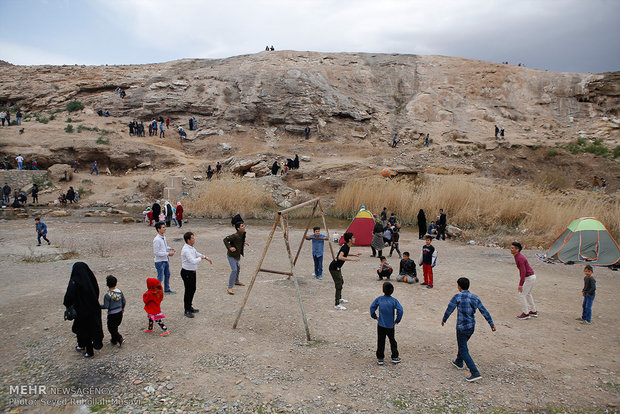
(163, 274)
(462, 336)
(587, 308)
(318, 266)
(235, 268)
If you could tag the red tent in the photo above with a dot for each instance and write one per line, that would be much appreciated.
(361, 227)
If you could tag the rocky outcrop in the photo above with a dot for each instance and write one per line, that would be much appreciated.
(376, 94)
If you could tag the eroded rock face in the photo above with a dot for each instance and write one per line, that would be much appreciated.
(372, 93)
(60, 172)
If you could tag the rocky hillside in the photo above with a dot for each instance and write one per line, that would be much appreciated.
(256, 108)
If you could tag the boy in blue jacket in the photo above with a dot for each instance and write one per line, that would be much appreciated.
(385, 326)
(41, 229)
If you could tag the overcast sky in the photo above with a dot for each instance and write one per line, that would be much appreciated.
(556, 35)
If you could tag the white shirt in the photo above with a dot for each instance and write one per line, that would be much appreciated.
(19, 159)
(160, 248)
(190, 258)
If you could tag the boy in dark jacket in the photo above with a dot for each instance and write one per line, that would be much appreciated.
(114, 302)
(407, 272)
(234, 250)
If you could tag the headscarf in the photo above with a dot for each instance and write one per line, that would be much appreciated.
(83, 294)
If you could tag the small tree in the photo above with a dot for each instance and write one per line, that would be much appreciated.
(73, 106)
(69, 128)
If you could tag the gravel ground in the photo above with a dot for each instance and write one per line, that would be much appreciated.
(551, 363)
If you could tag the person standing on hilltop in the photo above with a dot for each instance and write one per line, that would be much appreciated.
(394, 140)
(501, 134)
(218, 169)
(496, 131)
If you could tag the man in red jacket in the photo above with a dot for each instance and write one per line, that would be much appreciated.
(526, 282)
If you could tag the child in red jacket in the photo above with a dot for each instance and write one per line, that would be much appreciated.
(152, 300)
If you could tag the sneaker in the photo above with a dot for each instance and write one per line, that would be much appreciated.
(39, 244)
(586, 323)
(313, 276)
(230, 291)
(165, 333)
(340, 307)
(87, 355)
(379, 362)
(189, 314)
(148, 330)
(79, 348)
(170, 291)
(239, 284)
(344, 301)
(194, 310)
(320, 277)
(580, 319)
(422, 284)
(48, 243)
(396, 360)
(457, 365)
(474, 378)
(429, 287)
(533, 314)
(523, 316)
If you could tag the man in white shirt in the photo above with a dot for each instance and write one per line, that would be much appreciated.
(189, 264)
(162, 251)
(20, 161)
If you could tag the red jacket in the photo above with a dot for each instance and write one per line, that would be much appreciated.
(152, 298)
(179, 212)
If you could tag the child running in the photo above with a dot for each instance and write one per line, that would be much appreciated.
(385, 321)
(41, 229)
(114, 302)
(588, 292)
(152, 305)
(467, 304)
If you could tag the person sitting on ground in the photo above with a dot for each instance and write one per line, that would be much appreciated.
(385, 269)
(432, 228)
(70, 195)
(407, 271)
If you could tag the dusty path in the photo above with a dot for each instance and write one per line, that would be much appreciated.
(265, 364)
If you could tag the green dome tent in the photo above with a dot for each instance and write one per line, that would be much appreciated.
(585, 241)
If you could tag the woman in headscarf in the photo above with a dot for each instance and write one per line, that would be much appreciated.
(179, 214)
(421, 224)
(168, 212)
(377, 238)
(156, 209)
(83, 294)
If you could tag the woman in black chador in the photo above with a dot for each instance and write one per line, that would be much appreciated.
(156, 208)
(421, 224)
(83, 295)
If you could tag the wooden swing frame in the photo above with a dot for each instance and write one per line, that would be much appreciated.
(282, 219)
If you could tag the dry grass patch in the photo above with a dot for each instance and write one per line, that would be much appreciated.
(535, 215)
(229, 196)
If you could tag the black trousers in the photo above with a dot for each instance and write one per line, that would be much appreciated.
(381, 334)
(114, 321)
(189, 281)
(441, 232)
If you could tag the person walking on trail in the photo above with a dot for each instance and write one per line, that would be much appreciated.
(394, 141)
(527, 279)
(41, 229)
(95, 169)
(82, 296)
(335, 267)
(162, 253)
(190, 259)
(234, 250)
(467, 303)
(179, 214)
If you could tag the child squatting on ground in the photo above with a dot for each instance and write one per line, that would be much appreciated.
(114, 301)
(467, 304)
(588, 292)
(152, 305)
(385, 269)
(385, 321)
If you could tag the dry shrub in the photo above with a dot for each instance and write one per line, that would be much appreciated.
(550, 180)
(229, 196)
(481, 209)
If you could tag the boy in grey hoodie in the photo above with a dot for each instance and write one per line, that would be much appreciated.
(114, 302)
